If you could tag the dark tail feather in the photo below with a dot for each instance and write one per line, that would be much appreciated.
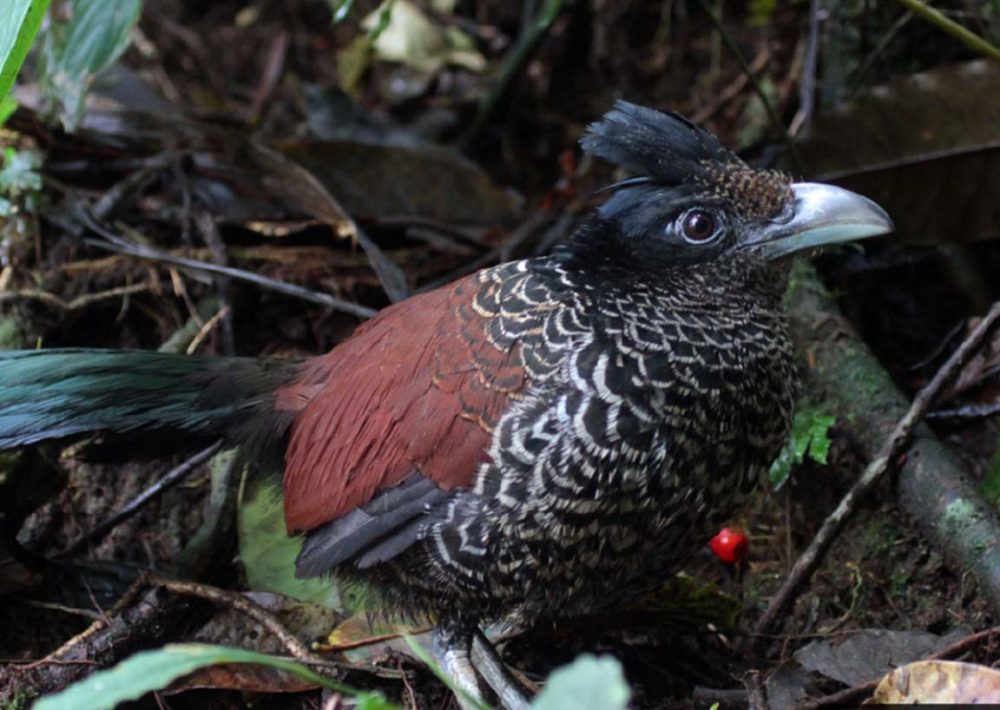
(56, 394)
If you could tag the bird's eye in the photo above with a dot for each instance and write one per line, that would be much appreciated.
(698, 226)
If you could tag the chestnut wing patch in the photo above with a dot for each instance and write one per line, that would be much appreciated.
(417, 389)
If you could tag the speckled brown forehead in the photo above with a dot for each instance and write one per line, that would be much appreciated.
(756, 194)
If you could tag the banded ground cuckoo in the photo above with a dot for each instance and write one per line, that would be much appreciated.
(544, 437)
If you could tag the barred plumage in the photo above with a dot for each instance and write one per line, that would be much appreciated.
(648, 406)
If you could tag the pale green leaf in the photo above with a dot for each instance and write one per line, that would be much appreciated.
(588, 683)
(75, 50)
(268, 553)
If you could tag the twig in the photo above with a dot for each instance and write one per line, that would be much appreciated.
(854, 696)
(206, 329)
(967, 37)
(807, 86)
(209, 230)
(529, 228)
(758, 88)
(52, 606)
(890, 449)
(123, 602)
(115, 243)
(518, 55)
(432, 225)
(858, 82)
(973, 411)
(733, 89)
(78, 302)
(270, 76)
(170, 479)
(238, 602)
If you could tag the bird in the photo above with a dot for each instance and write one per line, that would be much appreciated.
(541, 439)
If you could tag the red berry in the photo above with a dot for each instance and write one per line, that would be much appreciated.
(730, 546)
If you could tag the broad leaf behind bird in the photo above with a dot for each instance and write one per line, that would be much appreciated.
(546, 437)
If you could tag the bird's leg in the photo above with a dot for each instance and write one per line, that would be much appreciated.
(453, 649)
(466, 656)
(494, 671)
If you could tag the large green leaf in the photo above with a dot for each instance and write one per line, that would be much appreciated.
(19, 22)
(76, 49)
(268, 553)
(154, 670)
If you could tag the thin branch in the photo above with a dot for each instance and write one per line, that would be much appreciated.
(115, 243)
(758, 88)
(206, 329)
(238, 602)
(806, 564)
(83, 638)
(967, 37)
(170, 479)
(78, 302)
(511, 66)
(973, 411)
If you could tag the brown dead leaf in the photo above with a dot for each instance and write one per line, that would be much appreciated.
(245, 678)
(939, 682)
(362, 639)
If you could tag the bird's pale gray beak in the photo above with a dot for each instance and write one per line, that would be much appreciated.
(821, 215)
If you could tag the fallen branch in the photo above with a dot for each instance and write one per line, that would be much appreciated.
(933, 487)
(102, 644)
(892, 447)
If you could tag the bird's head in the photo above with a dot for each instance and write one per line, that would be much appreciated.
(692, 201)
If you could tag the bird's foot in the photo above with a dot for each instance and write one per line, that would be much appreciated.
(468, 656)
(497, 675)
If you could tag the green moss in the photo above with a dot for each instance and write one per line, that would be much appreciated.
(879, 535)
(19, 700)
(10, 333)
(991, 482)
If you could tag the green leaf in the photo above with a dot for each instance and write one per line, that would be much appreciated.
(588, 683)
(75, 50)
(268, 553)
(991, 481)
(19, 173)
(762, 12)
(7, 106)
(153, 670)
(19, 22)
(809, 438)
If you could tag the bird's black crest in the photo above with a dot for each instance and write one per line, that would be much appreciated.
(663, 146)
(667, 148)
